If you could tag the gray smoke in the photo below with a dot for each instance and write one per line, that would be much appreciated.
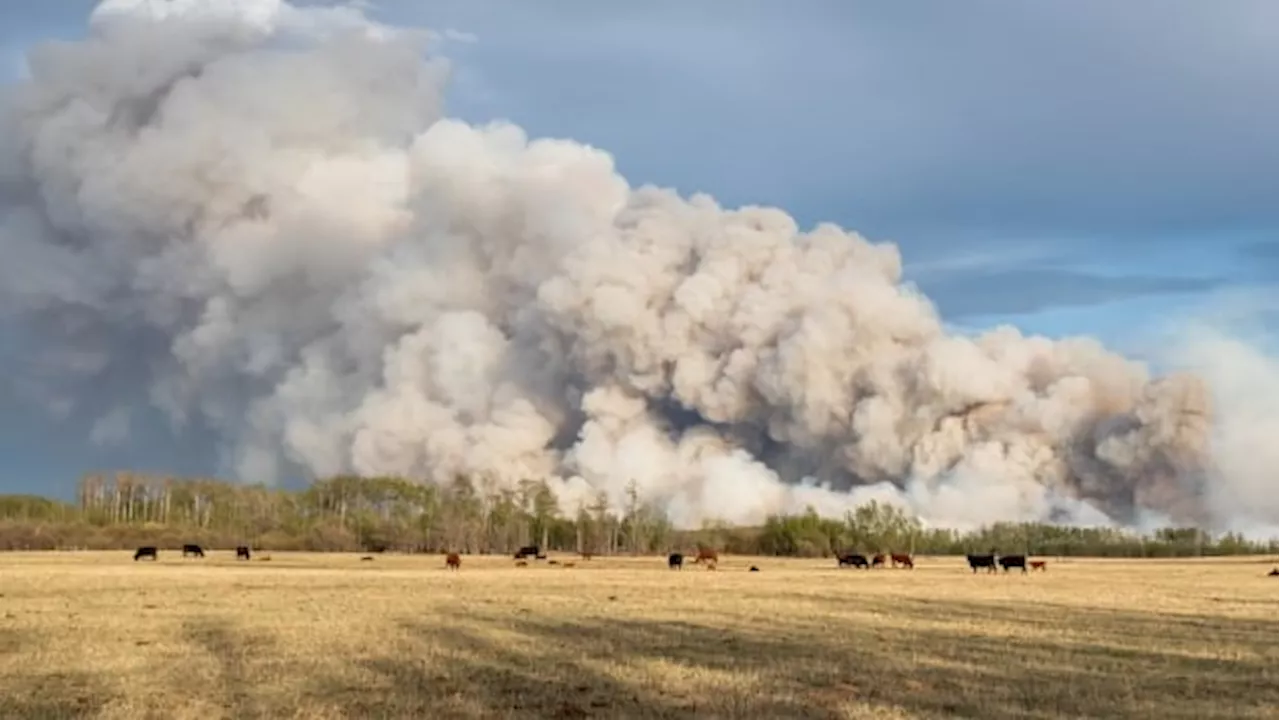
(256, 219)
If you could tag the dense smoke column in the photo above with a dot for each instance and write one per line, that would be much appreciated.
(259, 220)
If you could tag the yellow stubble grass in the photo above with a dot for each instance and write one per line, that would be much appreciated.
(331, 636)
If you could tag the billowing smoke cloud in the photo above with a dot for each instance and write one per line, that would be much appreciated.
(256, 219)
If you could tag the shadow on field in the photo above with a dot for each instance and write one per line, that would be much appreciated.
(605, 667)
(47, 696)
(232, 651)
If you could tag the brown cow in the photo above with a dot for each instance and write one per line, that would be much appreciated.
(877, 560)
(586, 556)
(902, 559)
(1040, 565)
(453, 561)
(522, 563)
(708, 555)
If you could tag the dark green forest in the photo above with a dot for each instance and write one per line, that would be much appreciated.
(347, 513)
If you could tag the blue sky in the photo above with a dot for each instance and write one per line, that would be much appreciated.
(1093, 167)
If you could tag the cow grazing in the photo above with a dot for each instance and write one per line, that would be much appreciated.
(902, 559)
(1040, 565)
(522, 563)
(553, 562)
(570, 564)
(1013, 561)
(532, 551)
(367, 558)
(1274, 571)
(878, 560)
(854, 559)
(706, 555)
(982, 561)
(192, 550)
(242, 552)
(675, 561)
(453, 561)
(146, 551)
(586, 555)
(754, 569)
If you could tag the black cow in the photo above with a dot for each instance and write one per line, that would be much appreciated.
(192, 550)
(675, 561)
(529, 551)
(754, 569)
(1013, 561)
(982, 561)
(1274, 572)
(242, 552)
(855, 559)
(146, 551)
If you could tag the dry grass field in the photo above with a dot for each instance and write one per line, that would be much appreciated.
(331, 636)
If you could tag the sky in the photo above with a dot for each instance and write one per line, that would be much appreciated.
(1094, 168)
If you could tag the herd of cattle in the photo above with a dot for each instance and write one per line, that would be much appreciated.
(988, 561)
(705, 557)
(675, 561)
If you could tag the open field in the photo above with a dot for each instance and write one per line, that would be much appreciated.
(330, 636)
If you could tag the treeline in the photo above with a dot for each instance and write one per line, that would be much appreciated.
(348, 513)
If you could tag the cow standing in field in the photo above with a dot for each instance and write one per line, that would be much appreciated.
(982, 561)
(675, 561)
(532, 551)
(878, 560)
(242, 552)
(711, 557)
(193, 550)
(1013, 561)
(902, 559)
(1274, 571)
(146, 551)
(1040, 565)
(453, 561)
(855, 560)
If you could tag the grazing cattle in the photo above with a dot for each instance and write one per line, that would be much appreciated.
(553, 562)
(1013, 561)
(586, 555)
(855, 559)
(754, 569)
(367, 558)
(453, 561)
(675, 561)
(569, 564)
(902, 559)
(192, 550)
(146, 551)
(878, 560)
(982, 561)
(1040, 565)
(529, 551)
(707, 555)
(242, 552)
(522, 563)
(1274, 571)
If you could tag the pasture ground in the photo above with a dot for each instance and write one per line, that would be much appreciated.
(329, 636)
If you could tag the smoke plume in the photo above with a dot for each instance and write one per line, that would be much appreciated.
(256, 219)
